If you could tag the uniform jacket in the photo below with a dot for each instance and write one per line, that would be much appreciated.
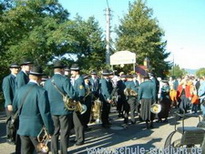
(54, 96)
(131, 85)
(105, 89)
(79, 88)
(35, 112)
(21, 79)
(121, 85)
(147, 90)
(9, 87)
(95, 85)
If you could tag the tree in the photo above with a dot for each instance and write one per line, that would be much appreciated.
(200, 72)
(177, 71)
(140, 33)
(90, 49)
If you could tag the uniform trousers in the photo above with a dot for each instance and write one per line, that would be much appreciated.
(78, 127)
(132, 103)
(29, 145)
(12, 132)
(62, 124)
(105, 113)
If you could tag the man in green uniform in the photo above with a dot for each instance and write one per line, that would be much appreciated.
(9, 87)
(131, 94)
(62, 117)
(34, 113)
(79, 87)
(105, 96)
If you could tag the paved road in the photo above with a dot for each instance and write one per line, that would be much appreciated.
(134, 139)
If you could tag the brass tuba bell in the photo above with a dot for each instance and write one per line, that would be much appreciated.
(155, 108)
(73, 105)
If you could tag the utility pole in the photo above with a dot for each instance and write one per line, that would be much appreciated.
(108, 34)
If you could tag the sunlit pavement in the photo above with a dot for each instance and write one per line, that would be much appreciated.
(134, 138)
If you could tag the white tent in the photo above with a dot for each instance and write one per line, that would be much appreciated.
(123, 57)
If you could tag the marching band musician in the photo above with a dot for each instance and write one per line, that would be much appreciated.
(79, 88)
(9, 88)
(121, 96)
(88, 102)
(34, 112)
(94, 81)
(147, 96)
(22, 78)
(105, 97)
(62, 117)
(131, 99)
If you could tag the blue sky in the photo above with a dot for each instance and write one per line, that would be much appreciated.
(182, 20)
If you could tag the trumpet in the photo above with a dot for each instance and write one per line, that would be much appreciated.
(73, 105)
(43, 140)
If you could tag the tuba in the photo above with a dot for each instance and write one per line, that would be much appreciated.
(97, 106)
(155, 108)
(43, 140)
(73, 105)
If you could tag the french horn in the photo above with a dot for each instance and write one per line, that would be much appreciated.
(156, 108)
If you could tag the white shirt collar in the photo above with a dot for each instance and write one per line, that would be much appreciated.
(57, 73)
(34, 81)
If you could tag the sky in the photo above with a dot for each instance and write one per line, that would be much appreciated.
(183, 22)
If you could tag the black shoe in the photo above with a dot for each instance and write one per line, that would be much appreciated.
(105, 126)
(165, 121)
(151, 125)
(133, 122)
(159, 121)
(73, 141)
(88, 129)
(79, 143)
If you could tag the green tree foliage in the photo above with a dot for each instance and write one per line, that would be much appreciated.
(200, 72)
(90, 49)
(140, 33)
(177, 71)
(41, 30)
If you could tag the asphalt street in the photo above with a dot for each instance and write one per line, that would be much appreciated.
(116, 139)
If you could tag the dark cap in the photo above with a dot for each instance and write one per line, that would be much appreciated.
(44, 78)
(93, 73)
(146, 76)
(26, 61)
(86, 76)
(14, 65)
(58, 64)
(123, 76)
(129, 76)
(36, 70)
(67, 69)
(75, 67)
(105, 72)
